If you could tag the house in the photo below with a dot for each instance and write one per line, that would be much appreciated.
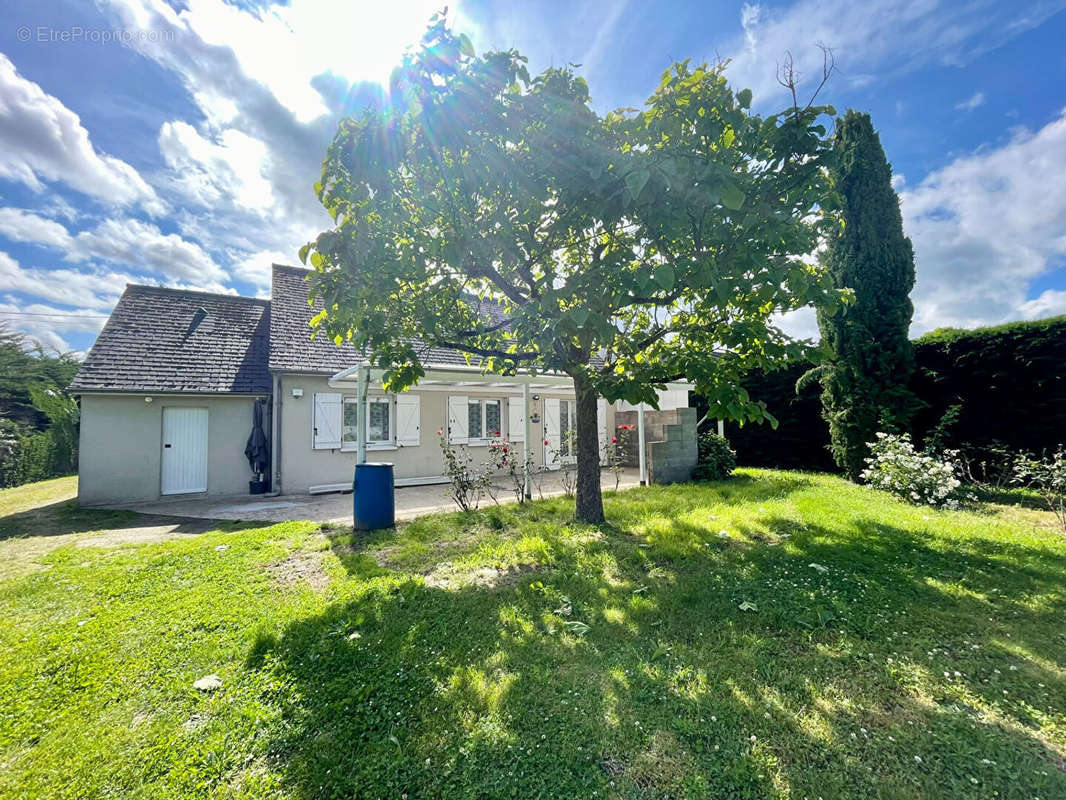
(168, 391)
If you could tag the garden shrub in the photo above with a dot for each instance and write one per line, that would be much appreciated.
(1047, 476)
(716, 458)
(896, 467)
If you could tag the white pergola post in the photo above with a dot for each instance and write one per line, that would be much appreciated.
(527, 444)
(721, 427)
(640, 445)
(360, 413)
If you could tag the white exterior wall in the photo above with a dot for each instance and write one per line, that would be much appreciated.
(669, 399)
(302, 466)
(120, 450)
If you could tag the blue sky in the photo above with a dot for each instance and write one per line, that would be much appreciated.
(176, 143)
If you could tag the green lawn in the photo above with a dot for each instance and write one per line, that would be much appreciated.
(777, 635)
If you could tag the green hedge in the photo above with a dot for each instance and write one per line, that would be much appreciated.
(31, 458)
(801, 439)
(983, 388)
(1008, 382)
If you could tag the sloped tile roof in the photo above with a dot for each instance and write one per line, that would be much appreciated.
(293, 350)
(173, 340)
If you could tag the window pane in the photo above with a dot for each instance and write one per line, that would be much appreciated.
(348, 428)
(475, 431)
(492, 418)
(377, 423)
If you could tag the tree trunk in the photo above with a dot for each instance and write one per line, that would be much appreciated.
(589, 498)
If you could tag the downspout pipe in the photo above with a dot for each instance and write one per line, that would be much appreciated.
(275, 439)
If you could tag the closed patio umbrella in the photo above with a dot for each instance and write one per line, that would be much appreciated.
(257, 451)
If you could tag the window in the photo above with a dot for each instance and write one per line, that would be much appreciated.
(484, 418)
(566, 426)
(378, 421)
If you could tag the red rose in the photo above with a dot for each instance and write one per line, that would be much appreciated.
(440, 431)
(614, 440)
(546, 441)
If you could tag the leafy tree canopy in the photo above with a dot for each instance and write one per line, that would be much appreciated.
(23, 368)
(624, 250)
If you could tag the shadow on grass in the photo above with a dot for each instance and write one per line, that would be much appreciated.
(671, 691)
(67, 517)
(1010, 496)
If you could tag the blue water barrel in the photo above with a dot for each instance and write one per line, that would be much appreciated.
(373, 497)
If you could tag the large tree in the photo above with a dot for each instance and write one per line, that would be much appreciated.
(625, 251)
(866, 378)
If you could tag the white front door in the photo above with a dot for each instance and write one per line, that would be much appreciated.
(184, 450)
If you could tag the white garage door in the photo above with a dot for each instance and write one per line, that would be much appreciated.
(184, 450)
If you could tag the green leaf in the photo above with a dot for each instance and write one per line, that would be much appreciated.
(747, 605)
(636, 181)
(744, 98)
(466, 45)
(303, 253)
(579, 316)
(732, 197)
(316, 260)
(665, 277)
(577, 627)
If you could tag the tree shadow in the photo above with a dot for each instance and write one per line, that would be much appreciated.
(67, 517)
(672, 690)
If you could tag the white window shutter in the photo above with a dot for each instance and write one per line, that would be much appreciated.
(326, 434)
(516, 419)
(408, 420)
(458, 419)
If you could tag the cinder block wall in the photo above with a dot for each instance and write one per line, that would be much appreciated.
(669, 440)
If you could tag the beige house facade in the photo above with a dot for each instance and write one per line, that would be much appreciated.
(169, 393)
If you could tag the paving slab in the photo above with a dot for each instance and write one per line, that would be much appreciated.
(411, 502)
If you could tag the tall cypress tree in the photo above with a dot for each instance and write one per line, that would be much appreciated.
(865, 381)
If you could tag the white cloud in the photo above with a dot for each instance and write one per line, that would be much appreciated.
(1050, 303)
(95, 290)
(206, 172)
(284, 46)
(44, 323)
(985, 226)
(605, 34)
(750, 16)
(43, 140)
(255, 268)
(128, 241)
(25, 226)
(248, 169)
(975, 101)
(870, 40)
(144, 246)
(799, 324)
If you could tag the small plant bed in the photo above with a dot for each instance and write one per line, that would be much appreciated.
(776, 635)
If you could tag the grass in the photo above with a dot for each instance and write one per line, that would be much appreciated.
(777, 635)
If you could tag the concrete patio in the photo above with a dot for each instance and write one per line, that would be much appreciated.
(411, 502)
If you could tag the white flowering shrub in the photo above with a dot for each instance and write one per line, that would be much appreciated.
(895, 466)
